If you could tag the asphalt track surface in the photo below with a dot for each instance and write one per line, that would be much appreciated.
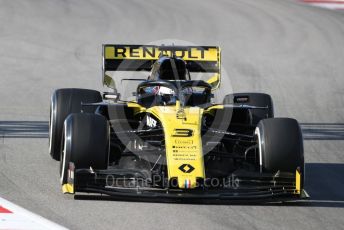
(292, 51)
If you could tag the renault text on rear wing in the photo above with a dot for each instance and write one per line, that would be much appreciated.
(205, 59)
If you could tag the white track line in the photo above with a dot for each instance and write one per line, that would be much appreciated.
(21, 219)
(329, 4)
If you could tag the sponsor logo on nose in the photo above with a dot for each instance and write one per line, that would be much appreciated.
(186, 168)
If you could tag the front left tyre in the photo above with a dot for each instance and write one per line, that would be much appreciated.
(85, 143)
(280, 145)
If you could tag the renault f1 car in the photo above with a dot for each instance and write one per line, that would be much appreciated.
(173, 141)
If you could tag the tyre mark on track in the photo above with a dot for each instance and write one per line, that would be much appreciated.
(40, 129)
(24, 129)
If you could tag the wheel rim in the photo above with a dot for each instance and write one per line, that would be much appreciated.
(63, 156)
(257, 134)
(50, 127)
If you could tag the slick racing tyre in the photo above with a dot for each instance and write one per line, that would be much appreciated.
(280, 145)
(85, 142)
(253, 99)
(64, 102)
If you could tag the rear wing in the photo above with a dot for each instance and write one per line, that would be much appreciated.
(199, 59)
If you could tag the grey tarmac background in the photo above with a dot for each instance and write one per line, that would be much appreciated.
(292, 51)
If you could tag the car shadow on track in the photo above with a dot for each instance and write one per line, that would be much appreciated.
(325, 184)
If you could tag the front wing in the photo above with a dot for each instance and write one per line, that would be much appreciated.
(241, 186)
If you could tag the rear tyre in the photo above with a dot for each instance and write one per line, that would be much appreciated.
(85, 142)
(64, 102)
(280, 145)
(253, 99)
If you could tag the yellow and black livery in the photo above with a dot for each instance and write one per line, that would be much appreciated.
(173, 141)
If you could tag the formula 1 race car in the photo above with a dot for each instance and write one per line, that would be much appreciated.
(172, 141)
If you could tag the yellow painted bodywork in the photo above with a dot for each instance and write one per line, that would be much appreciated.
(136, 107)
(214, 81)
(68, 188)
(211, 110)
(298, 182)
(181, 147)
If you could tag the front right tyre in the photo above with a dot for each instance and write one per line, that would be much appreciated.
(64, 102)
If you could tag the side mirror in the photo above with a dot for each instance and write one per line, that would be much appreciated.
(109, 82)
(214, 81)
